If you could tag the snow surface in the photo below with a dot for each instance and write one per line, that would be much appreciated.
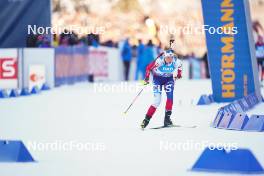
(78, 113)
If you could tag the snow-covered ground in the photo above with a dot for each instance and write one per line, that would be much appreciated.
(100, 140)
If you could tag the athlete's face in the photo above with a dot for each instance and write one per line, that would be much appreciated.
(168, 60)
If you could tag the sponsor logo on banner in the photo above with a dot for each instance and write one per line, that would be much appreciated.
(8, 73)
(231, 62)
(8, 69)
(36, 76)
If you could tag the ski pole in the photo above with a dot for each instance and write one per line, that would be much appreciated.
(141, 89)
(144, 86)
(134, 99)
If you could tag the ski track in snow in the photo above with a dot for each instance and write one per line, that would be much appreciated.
(77, 113)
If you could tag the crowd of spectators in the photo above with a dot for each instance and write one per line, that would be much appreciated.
(66, 39)
(143, 53)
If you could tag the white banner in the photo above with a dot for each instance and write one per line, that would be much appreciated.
(36, 57)
(105, 63)
(37, 76)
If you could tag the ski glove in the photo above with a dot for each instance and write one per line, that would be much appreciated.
(179, 74)
(146, 81)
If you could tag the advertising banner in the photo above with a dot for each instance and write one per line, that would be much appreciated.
(18, 16)
(71, 64)
(75, 64)
(105, 63)
(98, 62)
(38, 67)
(8, 68)
(231, 52)
(37, 76)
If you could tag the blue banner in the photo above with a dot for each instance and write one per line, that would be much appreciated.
(231, 57)
(17, 15)
(71, 65)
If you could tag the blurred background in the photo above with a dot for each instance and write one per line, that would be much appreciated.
(108, 40)
(147, 27)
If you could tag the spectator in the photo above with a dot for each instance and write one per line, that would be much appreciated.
(32, 41)
(126, 54)
(140, 70)
(158, 49)
(109, 43)
(148, 54)
(55, 40)
(73, 39)
(260, 55)
(205, 59)
(93, 40)
(41, 41)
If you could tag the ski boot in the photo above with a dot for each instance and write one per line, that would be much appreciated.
(167, 119)
(145, 122)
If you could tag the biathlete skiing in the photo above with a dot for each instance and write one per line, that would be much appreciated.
(165, 70)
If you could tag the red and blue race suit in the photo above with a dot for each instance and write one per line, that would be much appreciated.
(163, 76)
